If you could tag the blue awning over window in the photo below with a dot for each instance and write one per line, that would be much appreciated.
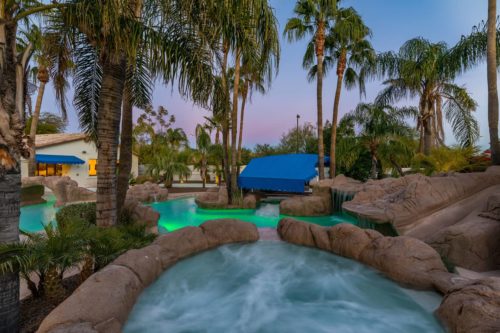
(283, 173)
(58, 159)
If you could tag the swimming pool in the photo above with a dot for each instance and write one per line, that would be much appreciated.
(178, 213)
(278, 287)
(182, 212)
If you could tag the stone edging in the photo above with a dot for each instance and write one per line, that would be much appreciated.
(468, 305)
(103, 302)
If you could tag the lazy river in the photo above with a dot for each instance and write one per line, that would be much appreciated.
(278, 287)
(178, 213)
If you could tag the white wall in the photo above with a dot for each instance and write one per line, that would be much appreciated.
(78, 172)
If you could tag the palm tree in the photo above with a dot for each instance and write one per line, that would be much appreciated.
(492, 82)
(203, 146)
(380, 124)
(427, 70)
(12, 106)
(348, 48)
(313, 17)
(166, 164)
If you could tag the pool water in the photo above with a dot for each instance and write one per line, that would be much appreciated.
(34, 217)
(278, 287)
(178, 213)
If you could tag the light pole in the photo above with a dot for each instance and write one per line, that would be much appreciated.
(298, 117)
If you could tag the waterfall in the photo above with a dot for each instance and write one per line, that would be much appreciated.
(339, 197)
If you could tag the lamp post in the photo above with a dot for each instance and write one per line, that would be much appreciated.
(298, 117)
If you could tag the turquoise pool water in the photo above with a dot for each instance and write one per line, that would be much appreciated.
(33, 217)
(277, 287)
(178, 213)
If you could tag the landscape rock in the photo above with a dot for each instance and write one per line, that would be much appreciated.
(473, 307)
(107, 294)
(64, 188)
(250, 201)
(75, 328)
(305, 206)
(181, 243)
(473, 244)
(213, 198)
(145, 263)
(492, 210)
(141, 214)
(349, 241)
(404, 259)
(224, 231)
(147, 193)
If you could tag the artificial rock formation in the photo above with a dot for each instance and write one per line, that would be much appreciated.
(468, 305)
(404, 201)
(147, 193)
(320, 202)
(142, 214)
(213, 198)
(64, 188)
(103, 302)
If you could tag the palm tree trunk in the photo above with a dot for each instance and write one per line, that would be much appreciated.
(33, 128)
(108, 127)
(234, 124)
(333, 142)
(125, 165)
(320, 42)
(11, 132)
(492, 82)
(242, 114)
(225, 124)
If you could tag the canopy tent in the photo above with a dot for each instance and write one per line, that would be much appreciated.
(283, 173)
(58, 159)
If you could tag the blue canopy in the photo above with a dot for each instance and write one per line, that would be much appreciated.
(283, 173)
(58, 159)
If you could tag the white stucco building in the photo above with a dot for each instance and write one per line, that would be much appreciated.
(66, 154)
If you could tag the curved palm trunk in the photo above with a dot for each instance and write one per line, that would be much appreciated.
(492, 83)
(234, 125)
(242, 114)
(125, 165)
(33, 128)
(320, 42)
(333, 142)
(108, 126)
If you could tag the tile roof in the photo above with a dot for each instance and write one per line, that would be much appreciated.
(45, 140)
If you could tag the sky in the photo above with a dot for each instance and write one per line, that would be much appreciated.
(392, 22)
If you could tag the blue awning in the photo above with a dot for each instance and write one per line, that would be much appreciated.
(283, 173)
(58, 159)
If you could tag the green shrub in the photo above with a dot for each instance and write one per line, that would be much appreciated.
(84, 213)
(142, 179)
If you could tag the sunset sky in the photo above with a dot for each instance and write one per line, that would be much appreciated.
(392, 21)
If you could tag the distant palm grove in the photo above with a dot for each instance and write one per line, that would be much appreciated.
(219, 53)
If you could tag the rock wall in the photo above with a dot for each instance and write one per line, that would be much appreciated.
(147, 193)
(103, 302)
(468, 305)
(65, 189)
(404, 200)
(213, 198)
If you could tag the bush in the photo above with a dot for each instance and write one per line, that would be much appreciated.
(83, 213)
(143, 179)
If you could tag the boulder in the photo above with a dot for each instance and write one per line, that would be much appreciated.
(64, 188)
(75, 328)
(141, 214)
(473, 243)
(473, 307)
(107, 295)
(147, 193)
(213, 199)
(250, 201)
(145, 263)
(181, 243)
(305, 206)
(295, 232)
(349, 241)
(406, 260)
(224, 231)
(492, 210)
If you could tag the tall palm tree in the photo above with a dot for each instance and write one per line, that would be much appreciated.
(348, 47)
(380, 124)
(492, 82)
(314, 17)
(12, 100)
(427, 71)
(203, 146)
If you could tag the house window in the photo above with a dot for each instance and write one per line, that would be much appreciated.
(44, 169)
(92, 167)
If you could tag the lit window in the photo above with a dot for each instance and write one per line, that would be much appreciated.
(92, 167)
